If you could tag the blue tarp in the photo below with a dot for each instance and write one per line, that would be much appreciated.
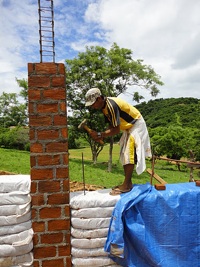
(156, 228)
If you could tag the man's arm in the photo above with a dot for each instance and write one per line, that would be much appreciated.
(97, 136)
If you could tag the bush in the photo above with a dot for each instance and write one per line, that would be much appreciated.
(15, 138)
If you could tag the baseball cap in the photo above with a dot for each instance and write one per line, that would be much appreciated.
(91, 96)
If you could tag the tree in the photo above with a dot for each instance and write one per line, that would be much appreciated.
(12, 113)
(113, 71)
(173, 141)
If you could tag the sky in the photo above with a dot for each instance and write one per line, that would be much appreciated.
(164, 34)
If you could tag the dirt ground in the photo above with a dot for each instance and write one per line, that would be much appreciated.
(74, 186)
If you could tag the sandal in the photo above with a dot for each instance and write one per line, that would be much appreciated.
(116, 191)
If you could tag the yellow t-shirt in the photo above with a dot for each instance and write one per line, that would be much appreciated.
(119, 112)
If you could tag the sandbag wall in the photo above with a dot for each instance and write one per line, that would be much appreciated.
(90, 218)
(15, 221)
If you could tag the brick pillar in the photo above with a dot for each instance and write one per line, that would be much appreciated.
(49, 164)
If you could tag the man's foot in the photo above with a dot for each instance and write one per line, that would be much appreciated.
(118, 191)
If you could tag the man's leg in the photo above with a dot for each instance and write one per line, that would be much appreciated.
(128, 171)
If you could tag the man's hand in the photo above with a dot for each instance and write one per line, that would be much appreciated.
(96, 136)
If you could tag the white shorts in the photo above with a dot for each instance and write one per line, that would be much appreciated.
(135, 138)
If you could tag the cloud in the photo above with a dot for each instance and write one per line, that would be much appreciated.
(18, 38)
(165, 34)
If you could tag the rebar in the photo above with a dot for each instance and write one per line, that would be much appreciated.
(46, 30)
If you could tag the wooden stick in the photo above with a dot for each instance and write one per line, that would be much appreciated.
(156, 176)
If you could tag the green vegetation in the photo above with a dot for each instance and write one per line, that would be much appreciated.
(183, 111)
(19, 162)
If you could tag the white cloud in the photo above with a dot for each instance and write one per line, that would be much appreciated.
(165, 34)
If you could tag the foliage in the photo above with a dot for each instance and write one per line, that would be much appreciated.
(172, 111)
(173, 125)
(173, 141)
(12, 112)
(15, 138)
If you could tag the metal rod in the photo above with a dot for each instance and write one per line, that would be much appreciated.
(83, 174)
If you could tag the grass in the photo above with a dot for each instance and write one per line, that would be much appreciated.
(19, 162)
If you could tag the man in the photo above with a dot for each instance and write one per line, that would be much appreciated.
(135, 142)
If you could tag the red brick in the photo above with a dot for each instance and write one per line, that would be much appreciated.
(31, 134)
(53, 263)
(31, 109)
(46, 68)
(64, 250)
(35, 239)
(68, 238)
(38, 81)
(30, 68)
(67, 210)
(33, 187)
(32, 161)
(41, 174)
(58, 81)
(55, 94)
(58, 225)
(48, 134)
(62, 172)
(66, 185)
(37, 200)
(35, 120)
(36, 148)
(47, 213)
(38, 226)
(44, 252)
(48, 186)
(52, 238)
(36, 264)
(65, 158)
(68, 261)
(45, 160)
(64, 132)
(62, 69)
(34, 94)
(47, 108)
(58, 199)
(33, 214)
(160, 186)
(63, 107)
(55, 147)
(60, 120)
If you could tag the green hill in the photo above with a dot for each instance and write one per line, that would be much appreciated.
(161, 112)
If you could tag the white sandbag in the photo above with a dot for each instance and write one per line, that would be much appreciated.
(16, 197)
(16, 250)
(97, 212)
(88, 243)
(94, 223)
(88, 252)
(91, 261)
(95, 233)
(17, 228)
(7, 210)
(92, 199)
(19, 238)
(19, 182)
(18, 261)
(15, 219)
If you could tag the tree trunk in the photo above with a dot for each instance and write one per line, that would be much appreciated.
(94, 157)
(110, 155)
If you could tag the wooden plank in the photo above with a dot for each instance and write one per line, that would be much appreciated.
(180, 161)
(157, 177)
